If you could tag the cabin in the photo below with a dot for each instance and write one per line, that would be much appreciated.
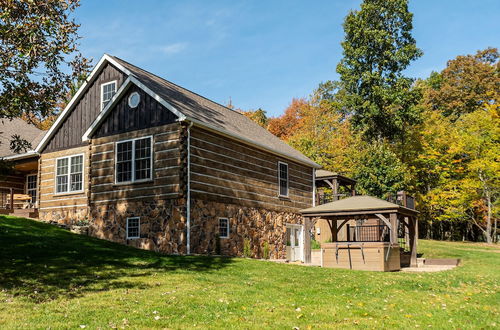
(144, 162)
(141, 161)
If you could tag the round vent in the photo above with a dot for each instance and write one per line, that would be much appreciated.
(133, 100)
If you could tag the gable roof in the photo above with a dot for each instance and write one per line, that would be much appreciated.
(203, 112)
(28, 132)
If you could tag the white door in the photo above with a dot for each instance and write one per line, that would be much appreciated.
(295, 242)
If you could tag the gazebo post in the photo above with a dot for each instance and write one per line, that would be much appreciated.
(413, 241)
(307, 240)
(393, 218)
(335, 230)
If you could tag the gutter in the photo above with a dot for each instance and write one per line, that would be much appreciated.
(25, 155)
(188, 197)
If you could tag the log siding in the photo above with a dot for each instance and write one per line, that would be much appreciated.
(228, 171)
(165, 180)
(68, 206)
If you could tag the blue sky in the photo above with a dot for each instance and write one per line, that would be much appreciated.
(264, 53)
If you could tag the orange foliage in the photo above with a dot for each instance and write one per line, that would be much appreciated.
(291, 121)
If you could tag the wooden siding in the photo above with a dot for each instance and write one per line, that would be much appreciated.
(228, 171)
(149, 113)
(69, 134)
(165, 183)
(48, 199)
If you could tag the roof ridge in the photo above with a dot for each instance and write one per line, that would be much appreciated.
(179, 86)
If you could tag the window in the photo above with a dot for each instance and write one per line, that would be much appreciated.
(31, 187)
(107, 92)
(223, 227)
(283, 179)
(69, 174)
(133, 227)
(133, 160)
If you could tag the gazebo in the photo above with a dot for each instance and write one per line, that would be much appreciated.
(376, 234)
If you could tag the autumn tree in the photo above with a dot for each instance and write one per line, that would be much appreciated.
(466, 84)
(259, 116)
(39, 58)
(377, 48)
(291, 121)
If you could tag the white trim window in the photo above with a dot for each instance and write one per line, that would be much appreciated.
(223, 228)
(133, 227)
(108, 90)
(69, 174)
(134, 160)
(283, 183)
(31, 187)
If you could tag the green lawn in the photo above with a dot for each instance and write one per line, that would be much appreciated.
(52, 278)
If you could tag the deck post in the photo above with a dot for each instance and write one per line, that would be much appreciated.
(393, 218)
(11, 200)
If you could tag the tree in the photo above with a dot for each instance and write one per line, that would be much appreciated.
(466, 84)
(291, 121)
(39, 58)
(259, 116)
(377, 48)
(379, 172)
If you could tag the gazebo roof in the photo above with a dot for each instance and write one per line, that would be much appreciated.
(324, 174)
(356, 205)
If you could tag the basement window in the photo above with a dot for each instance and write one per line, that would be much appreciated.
(133, 227)
(134, 160)
(69, 174)
(223, 227)
(283, 179)
(108, 90)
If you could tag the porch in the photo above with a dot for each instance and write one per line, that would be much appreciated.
(366, 233)
(19, 188)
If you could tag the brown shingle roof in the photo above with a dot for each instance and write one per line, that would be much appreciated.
(354, 204)
(199, 108)
(26, 131)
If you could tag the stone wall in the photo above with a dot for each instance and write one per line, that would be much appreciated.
(257, 225)
(162, 224)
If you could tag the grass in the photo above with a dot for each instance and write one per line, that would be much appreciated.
(52, 278)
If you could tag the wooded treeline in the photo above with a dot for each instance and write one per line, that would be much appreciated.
(436, 138)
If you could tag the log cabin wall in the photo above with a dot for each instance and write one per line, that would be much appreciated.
(238, 182)
(64, 207)
(69, 134)
(159, 203)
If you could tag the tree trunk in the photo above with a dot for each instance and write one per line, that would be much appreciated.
(488, 219)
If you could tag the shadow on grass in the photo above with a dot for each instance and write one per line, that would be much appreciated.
(42, 262)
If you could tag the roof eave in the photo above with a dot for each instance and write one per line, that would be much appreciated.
(25, 155)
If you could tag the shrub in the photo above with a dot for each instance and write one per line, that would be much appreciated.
(266, 250)
(315, 245)
(247, 252)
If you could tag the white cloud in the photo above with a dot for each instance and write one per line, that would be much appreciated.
(173, 48)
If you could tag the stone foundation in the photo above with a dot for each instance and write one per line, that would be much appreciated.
(257, 225)
(66, 216)
(162, 224)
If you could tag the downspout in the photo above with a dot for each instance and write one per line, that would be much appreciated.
(188, 193)
(314, 187)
